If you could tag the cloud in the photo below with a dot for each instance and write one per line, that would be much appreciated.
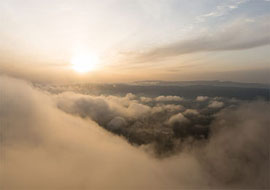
(201, 98)
(167, 108)
(117, 123)
(191, 112)
(239, 34)
(130, 96)
(146, 99)
(221, 10)
(184, 127)
(100, 108)
(242, 134)
(216, 104)
(161, 99)
(178, 118)
(44, 147)
(168, 98)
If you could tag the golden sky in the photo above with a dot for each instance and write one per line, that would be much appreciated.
(124, 40)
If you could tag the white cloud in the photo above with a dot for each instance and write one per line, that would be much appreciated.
(191, 112)
(101, 108)
(167, 107)
(202, 98)
(168, 98)
(146, 99)
(234, 35)
(221, 10)
(178, 118)
(216, 104)
(43, 147)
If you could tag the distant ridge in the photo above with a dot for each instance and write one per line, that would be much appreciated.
(202, 82)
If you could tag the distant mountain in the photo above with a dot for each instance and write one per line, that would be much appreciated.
(203, 83)
(186, 89)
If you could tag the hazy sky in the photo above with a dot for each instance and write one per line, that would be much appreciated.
(137, 39)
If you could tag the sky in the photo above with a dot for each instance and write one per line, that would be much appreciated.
(136, 40)
(56, 133)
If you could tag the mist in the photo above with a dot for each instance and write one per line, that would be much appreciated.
(71, 140)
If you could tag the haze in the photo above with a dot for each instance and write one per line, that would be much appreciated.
(171, 40)
(134, 94)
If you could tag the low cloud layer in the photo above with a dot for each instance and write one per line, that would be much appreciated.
(201, 98)
(216, 104)
(68, 141)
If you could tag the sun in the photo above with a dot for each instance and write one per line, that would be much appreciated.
(84, 62)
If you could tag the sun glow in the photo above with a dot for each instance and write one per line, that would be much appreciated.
(84, 62)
